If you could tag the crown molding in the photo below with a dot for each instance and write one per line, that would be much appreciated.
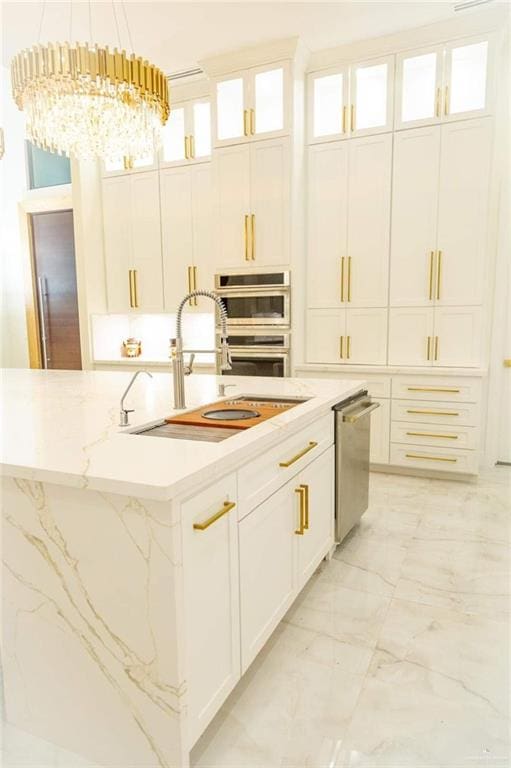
(253, 56)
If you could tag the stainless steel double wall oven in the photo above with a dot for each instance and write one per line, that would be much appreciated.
(259, 321)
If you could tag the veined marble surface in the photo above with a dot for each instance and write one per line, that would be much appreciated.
(62, 427)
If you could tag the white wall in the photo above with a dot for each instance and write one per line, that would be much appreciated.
(13, 330)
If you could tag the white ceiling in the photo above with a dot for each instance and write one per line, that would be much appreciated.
(176, 35)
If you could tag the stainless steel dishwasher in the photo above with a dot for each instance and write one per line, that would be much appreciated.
(352, 438)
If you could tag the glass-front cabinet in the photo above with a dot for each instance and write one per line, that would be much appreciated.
(187, 136)
(251, 104)
(355, 100)
(443, 83)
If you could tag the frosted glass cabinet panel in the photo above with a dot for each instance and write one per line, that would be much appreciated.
(269, 100)
(328, 94)
(467, 67)
(202, 129)
(230, 104)
(419, 78)
(173, 136)
(371, 96)
(187, 135)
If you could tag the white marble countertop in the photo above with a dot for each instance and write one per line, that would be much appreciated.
(62, 427)
(388, 370)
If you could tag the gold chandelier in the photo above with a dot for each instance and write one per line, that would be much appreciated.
(87, 101)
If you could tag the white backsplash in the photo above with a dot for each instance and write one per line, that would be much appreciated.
(154, 331)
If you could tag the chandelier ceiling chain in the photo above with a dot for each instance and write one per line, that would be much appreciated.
(89, 101)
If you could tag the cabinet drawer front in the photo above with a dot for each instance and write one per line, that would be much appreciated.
(264, 475)
(437, 459)
(428, 434)
(424, 412)
(460, 389)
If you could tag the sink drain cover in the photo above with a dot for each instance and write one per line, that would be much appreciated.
(231, 414)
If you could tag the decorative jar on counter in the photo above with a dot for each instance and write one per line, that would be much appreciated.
(131, 348)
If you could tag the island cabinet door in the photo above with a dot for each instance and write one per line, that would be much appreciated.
(315, 514)
(211, 601)
(267, 568)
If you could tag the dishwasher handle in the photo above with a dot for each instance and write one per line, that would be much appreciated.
(353, 418)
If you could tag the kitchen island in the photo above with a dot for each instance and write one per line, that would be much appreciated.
(142, 575)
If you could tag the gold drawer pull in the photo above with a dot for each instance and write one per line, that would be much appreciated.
(446, 101)
(194, 277)
(247, 257)
(342, 279)
(228, 505)
(288, 463)
(252, 232)
(431, 260)
(433, 389)
(349, 278)
(133, 288)
(245, 122)
(438, 100)
(341, 347)
(439, 274)
(431, 434)
(429, 458)
(252, 121)
(344, 110)
(434, 413)
(302, 493)
(353, 119)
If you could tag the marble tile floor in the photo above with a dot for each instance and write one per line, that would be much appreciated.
(396, 654)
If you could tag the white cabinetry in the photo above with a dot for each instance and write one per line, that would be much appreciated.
(252, 196)
(131, 229)
(252, 103)
(211, 600)
(187, 232)
(445, 82)
(353, 336)
(354, 100)
(186, 138)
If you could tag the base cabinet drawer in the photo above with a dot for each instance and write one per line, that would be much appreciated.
(437, 459)
(413, 433)
(424, 412)
(461, 389)
(281, 543)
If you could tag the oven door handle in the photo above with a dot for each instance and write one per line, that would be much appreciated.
(353, 418)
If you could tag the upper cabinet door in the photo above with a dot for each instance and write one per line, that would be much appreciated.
(202, 232)
(187, 136)
(230, 109)
(176, 230)
(327, 231)
(462, 260)
(118, 242)
(414, 216)
(411, 338)
(269, 202)
(269, 103)
(419, 87)
(173, 138)
(200, 126)
(328, 105)
(232, 188)
(145, 224)
(468, 78)
(371, 96)
(369, 182)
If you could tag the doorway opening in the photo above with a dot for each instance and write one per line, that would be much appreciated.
(56, 295)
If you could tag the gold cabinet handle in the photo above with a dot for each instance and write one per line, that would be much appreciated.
(288, 463)
(431, 265)
(436, 348)
(432, 434)
(186, 148)
(438, 273)
(245, 122)
(349, 278)
(133, 288)
(352, 117)
(252, 232)
(344, 114)
(306, 489)
(453, 390)
(342, 278)
(341, 347)
(348, 347)
(301, 492)
(428, 458)
(130, 281)
(433, 413)
(228, 505)
(507, 362)
(194, 276)
(438, 107)
(190, 289)
(428, 354)
(446, 100)
(247, 257)
(252, 121)
(192, 147)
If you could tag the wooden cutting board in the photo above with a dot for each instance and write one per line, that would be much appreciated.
(196, 418)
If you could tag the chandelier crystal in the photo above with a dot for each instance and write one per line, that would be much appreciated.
(89, 102)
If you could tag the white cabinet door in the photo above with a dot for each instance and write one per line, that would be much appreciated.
(173, 137)
(371, 96)
(269, 91)
(229, 109)
(419, 87)
(469, 78)
(267, 569)
(116, 200)
(414, 216)
(366, 337)
(269, 202)
(328, 105)
(463, 212)
(458, 336)
(325, 335)
(231, 171)
(410, 336)
(370, 170)
(380, 433)
(327, 231)
(177, 234)
(202, 231)
(315, 494)
(145, 227)
(211, 601)
(200, 127)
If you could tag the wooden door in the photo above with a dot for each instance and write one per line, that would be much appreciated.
(53, 251)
